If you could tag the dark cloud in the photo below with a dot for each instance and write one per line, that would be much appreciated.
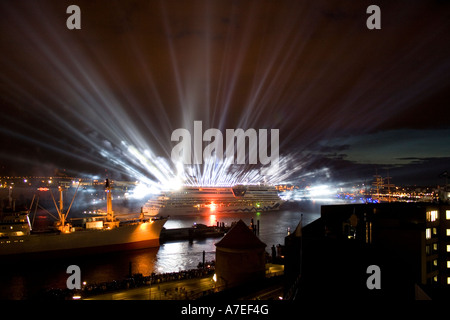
(334, 148)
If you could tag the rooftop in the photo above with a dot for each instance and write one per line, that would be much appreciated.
(240, 237)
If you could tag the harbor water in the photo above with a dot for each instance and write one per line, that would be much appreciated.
(26, 279)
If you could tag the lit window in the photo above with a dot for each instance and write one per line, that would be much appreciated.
(435, 245)
(447, 214)
(448, 248)
(435, 262)
(435, 279)
(448, 263)
(448, 232)
(428, 233)
(448, 280)
(432, 215)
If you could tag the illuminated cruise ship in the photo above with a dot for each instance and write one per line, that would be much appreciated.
(205, 200)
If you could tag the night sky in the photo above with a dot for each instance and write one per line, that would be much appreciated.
(348, 101)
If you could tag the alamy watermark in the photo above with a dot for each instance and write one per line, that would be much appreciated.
(374, 280)
(374, 20)
(73, 22)
(189, 149)
(74, 280)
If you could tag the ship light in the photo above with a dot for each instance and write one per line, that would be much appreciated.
(212, 206)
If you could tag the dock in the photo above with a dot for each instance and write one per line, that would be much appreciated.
(199, 231)
(200, 285)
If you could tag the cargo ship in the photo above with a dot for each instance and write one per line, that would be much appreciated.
(190, 200)
(100, 234)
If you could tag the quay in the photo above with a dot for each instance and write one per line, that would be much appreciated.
(187, 289)
(199, 288)
(199, 231)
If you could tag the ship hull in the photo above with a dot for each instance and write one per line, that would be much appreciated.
(131, 236)
(192, 211)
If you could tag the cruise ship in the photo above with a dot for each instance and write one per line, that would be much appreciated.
(191, 200)
(99, 234)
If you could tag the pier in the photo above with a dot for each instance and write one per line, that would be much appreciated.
(191, 285)
(199, 231)
(183, 285)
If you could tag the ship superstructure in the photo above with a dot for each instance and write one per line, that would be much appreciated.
(191, 200)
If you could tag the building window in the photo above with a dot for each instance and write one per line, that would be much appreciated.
(447, 214)
(432, 215)
(448, 248)
(428, 233)
(448, 232)
(435, 246)
(448, 264)
(448, 280)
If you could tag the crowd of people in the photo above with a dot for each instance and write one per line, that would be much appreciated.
(134, 281)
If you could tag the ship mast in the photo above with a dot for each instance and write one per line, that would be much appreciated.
(62, 225)
(11, 201)
(389, 185)
(62, 216)
(111, 221)
(378, 183)
(109, 210)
